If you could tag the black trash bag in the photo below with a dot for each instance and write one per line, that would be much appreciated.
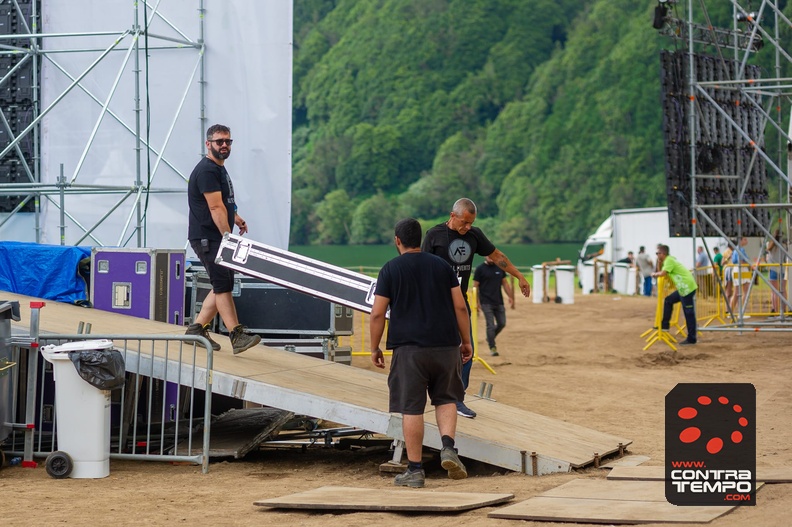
(103, 369)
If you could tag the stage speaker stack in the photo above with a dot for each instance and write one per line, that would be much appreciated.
(727, 158)
(17, 99)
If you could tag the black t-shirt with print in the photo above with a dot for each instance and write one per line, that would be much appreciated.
(458, 250)
(208, 176)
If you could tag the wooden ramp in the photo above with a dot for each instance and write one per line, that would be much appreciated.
(611, 502)
(501, 435)
(395, 500)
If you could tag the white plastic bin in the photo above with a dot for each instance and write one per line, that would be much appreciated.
(632, 277)
(539, 289)
(565, 283)
(82, 412)
(587, 281)
(620, 277)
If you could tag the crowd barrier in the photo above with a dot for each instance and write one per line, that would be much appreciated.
(158, 415)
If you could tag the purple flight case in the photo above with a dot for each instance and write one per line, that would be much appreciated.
(143, 283)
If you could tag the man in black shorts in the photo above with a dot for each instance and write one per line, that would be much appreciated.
(210, 195)
(456, 241)
(428, 320)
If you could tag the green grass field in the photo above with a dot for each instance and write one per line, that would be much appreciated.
(369, 257)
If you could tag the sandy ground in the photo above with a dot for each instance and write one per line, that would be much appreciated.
(580, 363)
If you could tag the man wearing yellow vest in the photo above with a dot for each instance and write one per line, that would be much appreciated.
(685, 292)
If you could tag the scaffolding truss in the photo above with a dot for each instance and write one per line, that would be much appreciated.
(758, 27)
(137, 44)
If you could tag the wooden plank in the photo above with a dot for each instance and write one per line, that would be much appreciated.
(610, 511)
(350, 498)
(626, 461)
(238, 431)
(642, 473)
(550, 437)
(604, 489)
(646, 473)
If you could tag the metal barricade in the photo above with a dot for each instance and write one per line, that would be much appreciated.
(155, 416)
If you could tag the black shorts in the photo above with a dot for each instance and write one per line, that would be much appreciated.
(415, 371)
(221, 278)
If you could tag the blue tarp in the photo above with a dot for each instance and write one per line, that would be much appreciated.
(42, 271)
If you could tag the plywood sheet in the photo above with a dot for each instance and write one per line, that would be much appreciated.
(604, 489)
(626, 461)
(609, 511)
(765, 474)
(350, 498)
(637, 473)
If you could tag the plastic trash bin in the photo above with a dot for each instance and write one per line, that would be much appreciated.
(565, 284)
(620, 272)
(632, 284)
(82, 415)
(539, 289)
(587, 282)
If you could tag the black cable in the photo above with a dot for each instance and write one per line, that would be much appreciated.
(148, 119)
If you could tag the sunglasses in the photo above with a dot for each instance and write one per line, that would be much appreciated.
(221, 142)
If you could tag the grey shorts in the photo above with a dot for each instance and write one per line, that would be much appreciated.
(221, 278)
(415, 371)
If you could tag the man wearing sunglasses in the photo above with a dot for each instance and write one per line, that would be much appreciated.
(213, 212)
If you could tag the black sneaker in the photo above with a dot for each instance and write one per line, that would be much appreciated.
(494, 351)
(241, 341)
(687, 343)
(197, 329)
(464, 411)
(415, 479)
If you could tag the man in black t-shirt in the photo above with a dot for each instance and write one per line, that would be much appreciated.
(488, 279)
(428, 319)
(456, 241)
(213, 212)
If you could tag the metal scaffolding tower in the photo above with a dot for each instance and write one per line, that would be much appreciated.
(756, 28)
(30, 48)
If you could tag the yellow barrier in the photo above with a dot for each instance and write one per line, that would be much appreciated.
(656, 333)
(708, 296)
(760, 300)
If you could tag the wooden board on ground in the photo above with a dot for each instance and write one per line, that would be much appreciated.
(611, 502)
(350, 498)
(238, 431)
(626, 461)
(765, 474)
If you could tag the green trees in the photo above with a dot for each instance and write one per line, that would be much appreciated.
(544, 112)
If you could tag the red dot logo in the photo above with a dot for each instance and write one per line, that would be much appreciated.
(714, 444)
(690, 435)
(687, 413)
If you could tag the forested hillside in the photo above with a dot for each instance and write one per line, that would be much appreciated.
(544, 112)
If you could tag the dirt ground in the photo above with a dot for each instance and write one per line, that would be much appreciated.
(580, 363)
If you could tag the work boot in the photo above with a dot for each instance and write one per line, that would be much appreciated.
(450, 461)
(198, 329)
(494, 351)
(241, 341)
(410, 478)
